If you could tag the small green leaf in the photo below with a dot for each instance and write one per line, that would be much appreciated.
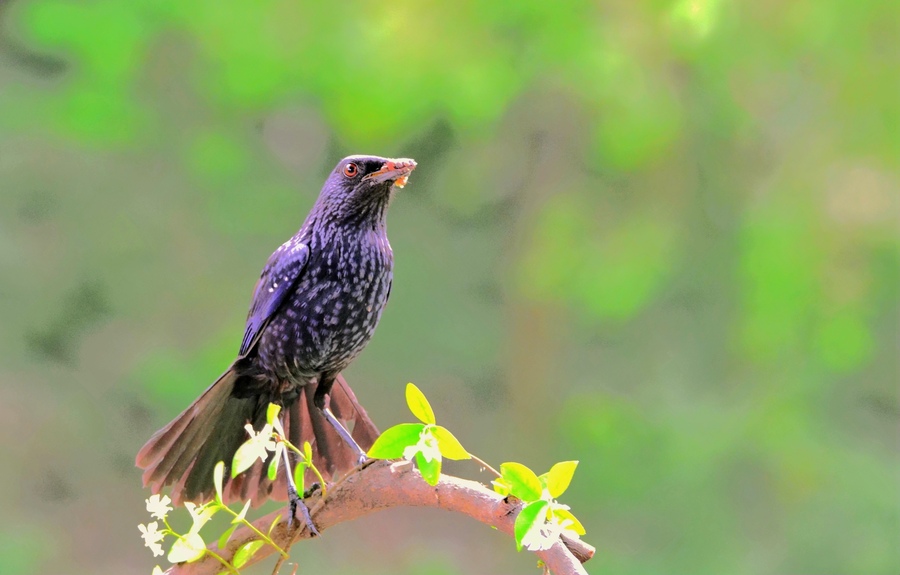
(245, 552)
(188, 548)
(240, 516)
(394, 440)
(218, 476)
(300, 477)
(559, 477)
(274, 523)
(272, 412)
(307, 452)
(523, 483)
(273, 469)
(244, 458)
(529, 515)
(418, 405)
(543, 479)
(223, 540)
(576, 525)
(430, 470)
(450, 447)
(501, 486)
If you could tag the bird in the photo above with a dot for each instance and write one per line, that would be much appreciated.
(315, 306)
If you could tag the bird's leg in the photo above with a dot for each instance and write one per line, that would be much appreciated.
(345, 435)
(322, 391)
(294, 497)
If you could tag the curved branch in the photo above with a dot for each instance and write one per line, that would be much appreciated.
(382, 485)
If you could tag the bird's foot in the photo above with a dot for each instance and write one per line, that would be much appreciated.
(297, 503)
(362, 458)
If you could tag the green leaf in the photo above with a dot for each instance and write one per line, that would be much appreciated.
(501, 486)
(418, 405)
(300, 476)
(218, 476)
(394, 440)
(245, 552)
(532, 512)
(244, 458)
(430, 470)
(273, 469)
(243, 514)
(559, 477)
(272, 526)
(450, 447)
(272, 413)
(187, 548)
(307, 452)
(523, 483)
(223, 540)
(576, 525)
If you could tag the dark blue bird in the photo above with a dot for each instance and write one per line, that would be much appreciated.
(314, 309)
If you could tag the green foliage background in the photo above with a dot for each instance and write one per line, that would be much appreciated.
(659, 237)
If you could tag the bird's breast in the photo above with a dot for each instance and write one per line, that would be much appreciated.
(332, 313)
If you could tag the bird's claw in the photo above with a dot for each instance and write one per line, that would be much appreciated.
(295, 503)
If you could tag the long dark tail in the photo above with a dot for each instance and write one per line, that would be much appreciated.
(184, 452)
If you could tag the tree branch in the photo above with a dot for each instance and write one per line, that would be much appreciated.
(382, 485)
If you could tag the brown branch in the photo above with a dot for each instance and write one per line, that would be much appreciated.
(382, 485)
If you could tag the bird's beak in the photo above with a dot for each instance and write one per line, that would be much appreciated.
(393, 171)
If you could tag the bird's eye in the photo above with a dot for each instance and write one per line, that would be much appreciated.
(351, 169)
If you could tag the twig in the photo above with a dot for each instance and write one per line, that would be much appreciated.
(484, 464)
(382, 485)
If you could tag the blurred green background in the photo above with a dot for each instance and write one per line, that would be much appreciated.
(659, 237)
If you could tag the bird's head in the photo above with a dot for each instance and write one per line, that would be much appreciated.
(360, 187)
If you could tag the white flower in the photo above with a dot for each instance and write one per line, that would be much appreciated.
(159, 506)
(152, 537)
(543, 535)
(200, 515)
(427, 446)
(260, 442)
(264, 438)
(257, 447)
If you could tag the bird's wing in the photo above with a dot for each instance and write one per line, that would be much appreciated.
(276, 281)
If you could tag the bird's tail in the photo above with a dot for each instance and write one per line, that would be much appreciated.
(184, 453)
(303, 421)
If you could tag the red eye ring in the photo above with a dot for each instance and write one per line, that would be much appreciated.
(350, 170)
